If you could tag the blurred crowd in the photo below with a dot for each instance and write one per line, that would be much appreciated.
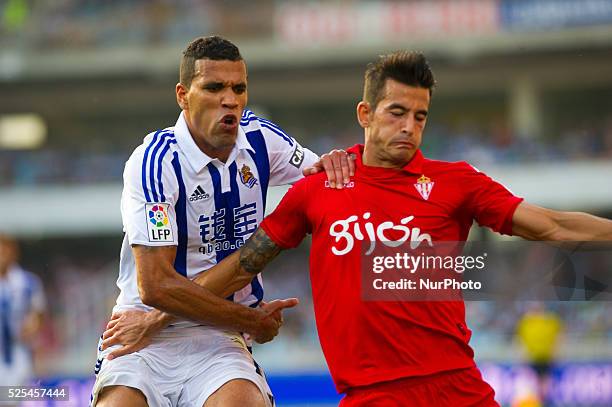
(66, 166)
(77, 24)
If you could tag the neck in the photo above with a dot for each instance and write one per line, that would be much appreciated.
(222, 154)
(4, 270)
(374, 158)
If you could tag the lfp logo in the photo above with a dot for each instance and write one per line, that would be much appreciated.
(158, 216)
(158, 225)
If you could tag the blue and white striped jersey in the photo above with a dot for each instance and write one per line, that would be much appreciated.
(21, 292)
(174, 194)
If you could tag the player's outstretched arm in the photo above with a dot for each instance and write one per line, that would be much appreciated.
(536, 223)
(237, 270)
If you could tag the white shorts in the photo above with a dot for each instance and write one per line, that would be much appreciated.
(19, 372)
(182, 368)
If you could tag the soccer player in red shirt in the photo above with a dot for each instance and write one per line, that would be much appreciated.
(394, 353)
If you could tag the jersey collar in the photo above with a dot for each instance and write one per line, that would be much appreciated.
(197, 158)
(414, 166)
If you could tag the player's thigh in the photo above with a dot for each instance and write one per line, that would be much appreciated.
(119, 396)
(237, 393)
(227, 364)
(142, 371)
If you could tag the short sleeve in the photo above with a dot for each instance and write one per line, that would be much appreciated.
(288, 224)
(287, 157)
(491, 203)
(148, 198)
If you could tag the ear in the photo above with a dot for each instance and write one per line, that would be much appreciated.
(181, 96)
(363, 114)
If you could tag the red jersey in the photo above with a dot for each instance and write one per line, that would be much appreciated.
(367, 342)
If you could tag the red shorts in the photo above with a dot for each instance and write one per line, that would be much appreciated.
(456, 388)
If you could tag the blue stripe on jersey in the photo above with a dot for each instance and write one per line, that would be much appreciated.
(257, 291)
(31, 285)
(256, 139)
(144, 166)
(268, 125)
(228, 201)
(262, 162)
(180, 262)
(277, 132)
(164, 137)
(5, 328)
(159, 168)
(246, 113)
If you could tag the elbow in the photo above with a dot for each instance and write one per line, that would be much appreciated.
(151, 294)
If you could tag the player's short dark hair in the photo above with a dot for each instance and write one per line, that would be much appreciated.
(409, 68)
(211, 47)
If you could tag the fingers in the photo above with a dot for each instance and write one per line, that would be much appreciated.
(124, 350)
(112, 323)
(109, 332)
(311, 170)
(110, 341)
(351, 162)
(278, 305)
(345, 166)
(327, 163)
(338, 170)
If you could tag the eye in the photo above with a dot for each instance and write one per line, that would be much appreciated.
(397, 113)
(420, 117)
(213, 87)
(239, 89)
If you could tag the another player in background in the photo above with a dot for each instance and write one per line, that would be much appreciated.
(394, 353)
(539, 331)
(193, 193)
(22, 305)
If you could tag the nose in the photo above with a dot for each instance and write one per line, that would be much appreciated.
(408, 125)
(229, 99)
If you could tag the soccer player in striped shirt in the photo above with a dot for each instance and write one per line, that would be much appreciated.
(22, 305)
(394, 353)
(193, 193)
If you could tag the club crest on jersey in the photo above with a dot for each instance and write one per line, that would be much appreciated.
(424, 185)
(247, 177)
(158, 223)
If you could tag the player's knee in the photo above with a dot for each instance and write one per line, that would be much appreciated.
(120, 396)
(236, 393)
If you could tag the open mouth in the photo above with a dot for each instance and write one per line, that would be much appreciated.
(229, 120)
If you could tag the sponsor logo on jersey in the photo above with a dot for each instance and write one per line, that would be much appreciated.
(158, 223)
(198, 194)
(297, 158)
(345, 231)
(424, 185)
(350, 184)
(247, 177)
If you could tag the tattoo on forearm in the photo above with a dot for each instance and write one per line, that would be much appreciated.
(258, 251)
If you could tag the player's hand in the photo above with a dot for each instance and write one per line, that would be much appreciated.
(337, 164)
(131, 329)
(30, 328)
(271, 319)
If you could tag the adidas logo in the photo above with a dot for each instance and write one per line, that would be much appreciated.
(198, 194)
